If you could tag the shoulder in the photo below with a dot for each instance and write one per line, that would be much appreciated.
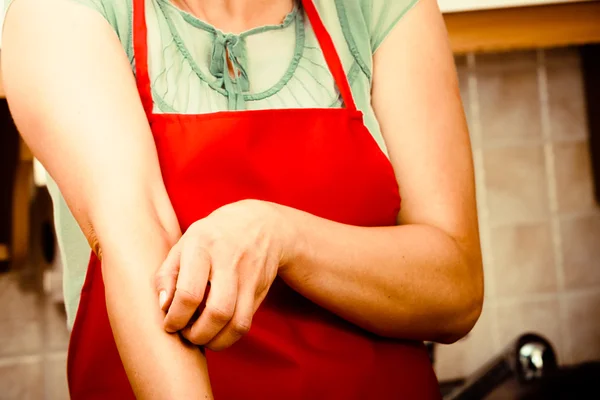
(118, 13)
(368, 21)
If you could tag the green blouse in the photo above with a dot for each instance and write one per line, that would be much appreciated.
(280, 66)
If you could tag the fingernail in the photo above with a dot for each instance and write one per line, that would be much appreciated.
(162, 298)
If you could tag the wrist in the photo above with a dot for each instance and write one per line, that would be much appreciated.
(294, 243)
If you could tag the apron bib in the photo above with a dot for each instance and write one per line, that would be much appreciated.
(322, 161)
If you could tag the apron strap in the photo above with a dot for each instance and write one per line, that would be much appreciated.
(140, 50)
(140, 47)
(331, 55)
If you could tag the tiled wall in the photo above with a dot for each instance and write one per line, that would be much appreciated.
(540, 225)
(33, 333)
(33, 341)
(540, 230)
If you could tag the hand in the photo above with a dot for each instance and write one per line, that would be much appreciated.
(221, 270)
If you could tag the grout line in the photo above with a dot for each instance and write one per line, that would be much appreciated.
(21, 359)
(10, 360)
(484, 214)
(533, 297)
(592, 290)
(565, 216)
(503, 143)
(571, 138)
(56, 356)
(568, 216)
(549, 158)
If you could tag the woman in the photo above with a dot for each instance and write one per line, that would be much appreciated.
(267, 148)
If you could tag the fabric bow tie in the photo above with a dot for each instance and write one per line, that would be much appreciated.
(228, 50)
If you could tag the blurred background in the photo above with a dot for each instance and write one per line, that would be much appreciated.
(529, 74)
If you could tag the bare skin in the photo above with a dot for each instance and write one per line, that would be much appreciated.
(428, 284)
(236, 16)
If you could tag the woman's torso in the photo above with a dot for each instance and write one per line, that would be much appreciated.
(282, 67)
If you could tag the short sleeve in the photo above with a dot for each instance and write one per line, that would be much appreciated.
(382, 16)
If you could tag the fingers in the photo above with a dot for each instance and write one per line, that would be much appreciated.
(219, 310)
(190, 287)
(166, 278)
(238, 326)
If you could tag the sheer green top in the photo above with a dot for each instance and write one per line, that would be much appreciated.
(279, 66)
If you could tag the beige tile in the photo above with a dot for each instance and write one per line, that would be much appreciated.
(507, 60)
(574, 182)
(562, 55)
(566, 98)
(489, 281)
(56, 387)
(57, 335)
(20, 318)
(488, 275)
(463, 83)
(22, 381)
(509, 102)
(450, 361)
(531, 316)
(461, 359)
(584, 326)
(485, 240)
(460, 60)
(581, 251)
(523, 260)
(480, 187)
(516, 185)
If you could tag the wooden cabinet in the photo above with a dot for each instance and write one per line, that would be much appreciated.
(448, 6)
(557, 23)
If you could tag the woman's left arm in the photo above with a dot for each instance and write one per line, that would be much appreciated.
(422, 279)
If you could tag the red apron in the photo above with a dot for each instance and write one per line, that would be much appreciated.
(323, 161)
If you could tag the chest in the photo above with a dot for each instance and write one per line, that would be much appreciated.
(197, 69)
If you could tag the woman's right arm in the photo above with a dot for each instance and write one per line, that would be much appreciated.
(73, 97)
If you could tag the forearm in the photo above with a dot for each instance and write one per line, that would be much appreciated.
(159, 365)
(409, 282)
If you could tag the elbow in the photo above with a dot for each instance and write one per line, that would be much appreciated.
(455, 315)
(463, 324)
(448, 309)
(468, 305)
(92, 239)
(110, 227)
(458, 320)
